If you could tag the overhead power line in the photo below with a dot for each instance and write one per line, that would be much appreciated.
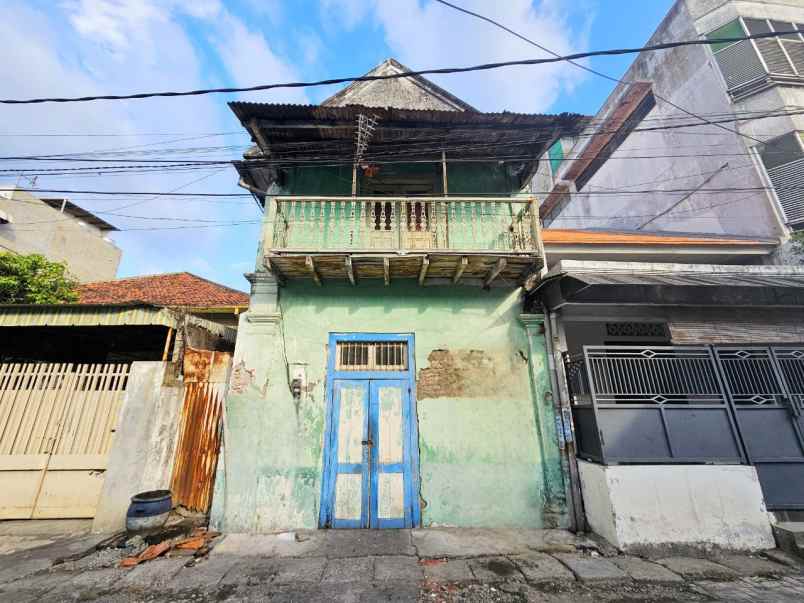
(598, 73)
(405, 74)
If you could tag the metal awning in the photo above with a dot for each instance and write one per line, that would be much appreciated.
(88, 315)
(670, 285)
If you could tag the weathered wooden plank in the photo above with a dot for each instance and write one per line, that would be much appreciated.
(350, 271)
(423, 270)
(495, 272)
(386, 267)
(308, 261)
(460, 269)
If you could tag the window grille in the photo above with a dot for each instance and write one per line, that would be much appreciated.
(637, 329)
(371, 356)
(783, 158)
(744, 62)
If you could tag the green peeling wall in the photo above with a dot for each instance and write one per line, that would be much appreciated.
(488, 449)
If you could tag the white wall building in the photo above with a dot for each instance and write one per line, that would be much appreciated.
(636, 169)
(61, 231)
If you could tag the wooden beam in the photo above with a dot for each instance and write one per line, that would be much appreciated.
(167, 344)
(495, 272)
(459, 269)
(350, 271)
(313, 272)
(423, 270)
(386, 269)
(444, 172)
(254, 126)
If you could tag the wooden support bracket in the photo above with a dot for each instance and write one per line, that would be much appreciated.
(386, 270)
(313, 272)
(495, 272)
(459, 269)
(350, 271)
(423, 270)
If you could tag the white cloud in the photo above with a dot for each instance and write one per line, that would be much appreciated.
(101, 46)
(250, 60)
(427, 34)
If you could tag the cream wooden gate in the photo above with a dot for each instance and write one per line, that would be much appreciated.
(57, 423)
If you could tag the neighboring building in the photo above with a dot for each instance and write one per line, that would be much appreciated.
(384, 375)
(115, 395)
(59, 230)
(755, 87)
(189, 292)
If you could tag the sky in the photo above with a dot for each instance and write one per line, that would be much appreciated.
(88, 47)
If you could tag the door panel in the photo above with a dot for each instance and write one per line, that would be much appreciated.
(350, 418)
(759, 380)
(390, 502)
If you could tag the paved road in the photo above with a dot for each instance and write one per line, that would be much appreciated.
(422, 565)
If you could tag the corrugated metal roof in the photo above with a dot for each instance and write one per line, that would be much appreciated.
(680, 279)
(76, 315)
(246, 111)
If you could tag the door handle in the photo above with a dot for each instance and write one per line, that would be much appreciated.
(367, 443)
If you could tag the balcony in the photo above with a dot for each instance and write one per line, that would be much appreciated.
(431, 239)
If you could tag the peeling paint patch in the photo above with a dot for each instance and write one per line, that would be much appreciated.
(466, 373)
(241, 378)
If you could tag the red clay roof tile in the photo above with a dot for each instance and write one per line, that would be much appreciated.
(174, 289)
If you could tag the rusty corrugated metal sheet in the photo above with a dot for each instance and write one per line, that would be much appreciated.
(200, 428)
(205, 366)
(197, 452)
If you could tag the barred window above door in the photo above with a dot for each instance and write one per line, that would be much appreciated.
(749, 61)
(371, 356)
(783, 158)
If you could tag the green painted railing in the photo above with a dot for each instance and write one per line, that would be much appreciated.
(501, 224)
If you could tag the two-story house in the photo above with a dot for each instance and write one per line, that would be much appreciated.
(651, 162)
(384, 375)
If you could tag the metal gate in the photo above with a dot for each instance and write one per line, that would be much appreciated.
(695, 404)
(57, 422)
(766, 389)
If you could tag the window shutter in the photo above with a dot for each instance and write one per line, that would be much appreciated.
(792, 43)
(770, 48)
(738, 61)
(784, 161)
(556, 154)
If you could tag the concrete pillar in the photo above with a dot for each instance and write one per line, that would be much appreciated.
(548, 420)
(263, 480)
(144, 443)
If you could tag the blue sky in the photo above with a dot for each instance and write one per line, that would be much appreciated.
(76, 47)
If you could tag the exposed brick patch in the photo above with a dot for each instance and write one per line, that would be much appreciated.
(464, 374)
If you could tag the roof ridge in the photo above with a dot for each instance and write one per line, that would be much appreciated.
(139, 276)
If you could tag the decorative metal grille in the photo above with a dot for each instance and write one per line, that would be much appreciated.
(371, 356)
(657, 375)
(637, 329)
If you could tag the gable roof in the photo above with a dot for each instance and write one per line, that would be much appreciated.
(413, 92)
(178, 289)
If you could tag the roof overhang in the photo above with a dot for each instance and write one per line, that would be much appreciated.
(325, 135)
(89, 315)
(661, 284)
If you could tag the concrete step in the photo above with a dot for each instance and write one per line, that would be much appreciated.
(790, 537)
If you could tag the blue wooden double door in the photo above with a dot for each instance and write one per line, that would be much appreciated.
(370, 455)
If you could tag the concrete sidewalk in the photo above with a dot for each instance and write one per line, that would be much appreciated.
(398, 565)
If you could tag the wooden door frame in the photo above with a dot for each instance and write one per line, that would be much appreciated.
(331, 431)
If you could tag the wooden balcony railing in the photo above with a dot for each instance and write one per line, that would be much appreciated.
(431, 239)
(374, 224)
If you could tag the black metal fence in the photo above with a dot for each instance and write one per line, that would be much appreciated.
(695, 404)
(649, 405)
